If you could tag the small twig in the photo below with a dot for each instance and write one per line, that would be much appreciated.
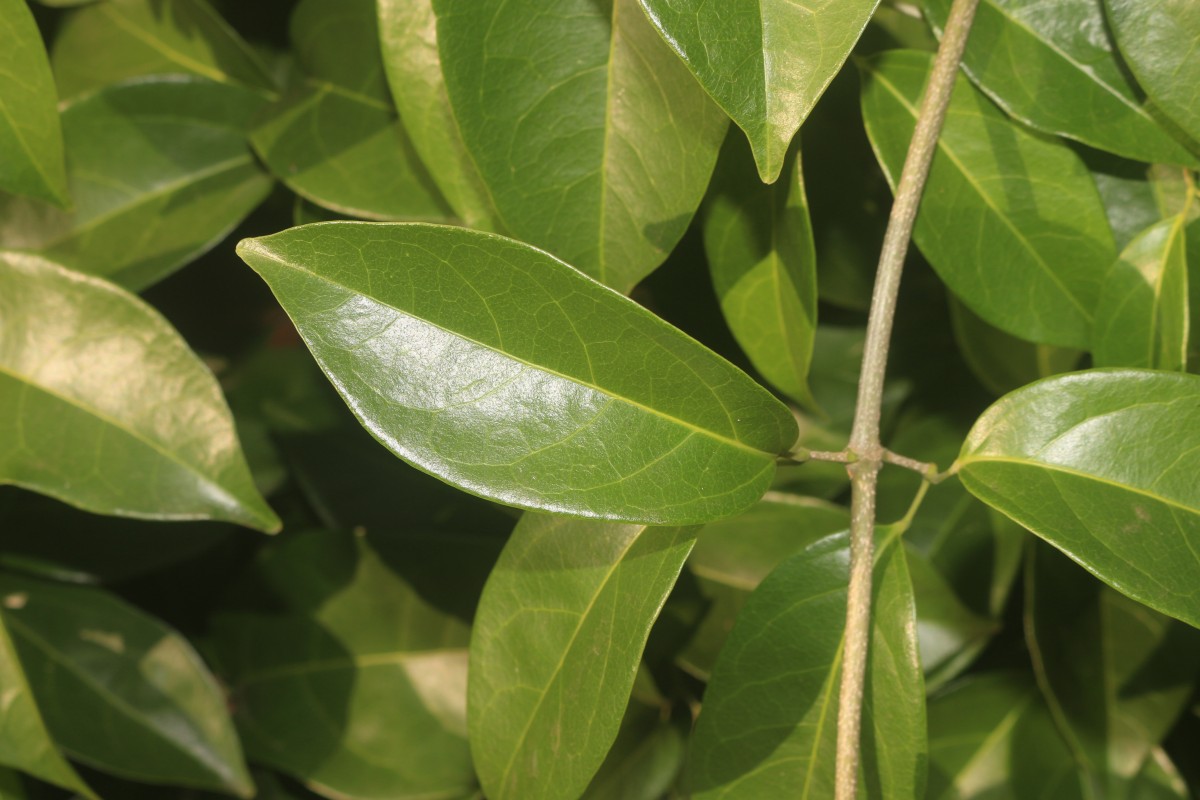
(924, 468)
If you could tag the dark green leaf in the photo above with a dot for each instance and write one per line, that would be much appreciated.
(159, 172)
(112, 41)
(594, 142)
(11, 787)
(121, 691)
(1102, 464)
(950, 635)
(103, 405)
(1054, 67)
(1142, 319)
(333, 619)
(644, 760)
(1011, 221)
(1158, 39)
(1136, 196)
(764, 62)
(768, 724)
(507, 373)
(556, 646)
(1160, 780)
(759, 244)
(31, 140)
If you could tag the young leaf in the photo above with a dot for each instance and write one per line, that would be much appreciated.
(759, 243)
(507, 373)
(1158, 40)
(159, 172)
(594, 142)
(1102, 464)
(765, 62)
(31, 140)
(1011, 221)
(334, 138)
(116, 40)
(121, 691)
(768, 724)
(1054, 67)
(24, 741)
(408, 34)
(1142, 319)
(103, 406)
(556, 645)
(382, 668)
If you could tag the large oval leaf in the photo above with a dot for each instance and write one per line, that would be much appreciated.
(159, 172)
(768, 726)
(1011, 221)
(1054, 66)
(1102, 464)
(103, 405)
(121, 691)
(766, 62)
(557, 642)
(504, 371)
(594, 142)
(31, 140)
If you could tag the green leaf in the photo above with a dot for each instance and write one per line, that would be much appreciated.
(119, 690)
(31, 140)
(644, 760)
(1158, 40)
(25, 744)
(1054, 67)
(992, 738)
(520, 379)
(1101, 464)
(334, 137)
(594, 142)
(103, 406)
(381, 667)
(768, 724)
(113, 41)
(556, 646)
(1136, 196)
(159, 172)
(1115, 674)
(759, 244)
(765, 62)
(1160, 780)
(950, 635)
(11, 787)
(408, 35)
(1011, 221)
(1142, 319)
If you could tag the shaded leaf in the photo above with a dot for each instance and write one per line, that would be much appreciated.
(104, 406)
(11, 787)
(1102, 465)
(121, 691)
(1137, 196)
(644, 760)
(521, 380)
(593, 141)
(1012, 222)
(949, 634)
(768, 724)
(1160, 780)
(764, 62)
(159, 172)
(113, 41)
(31, 140)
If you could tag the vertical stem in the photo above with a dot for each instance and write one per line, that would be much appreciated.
(864, 437)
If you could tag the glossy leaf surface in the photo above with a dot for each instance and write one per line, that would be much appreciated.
(1102, 464)
(765, 62)
(1055, 67)
(1011, 221)
(593, 141)
(113, 41)
(1142, 319)
(1158, 40)
(31, 141)
(556, 646)
(507, 373)
(333, 618)
(121, 691)
(768, 724)
(759, 243)
(159, 172)
(103, 405)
